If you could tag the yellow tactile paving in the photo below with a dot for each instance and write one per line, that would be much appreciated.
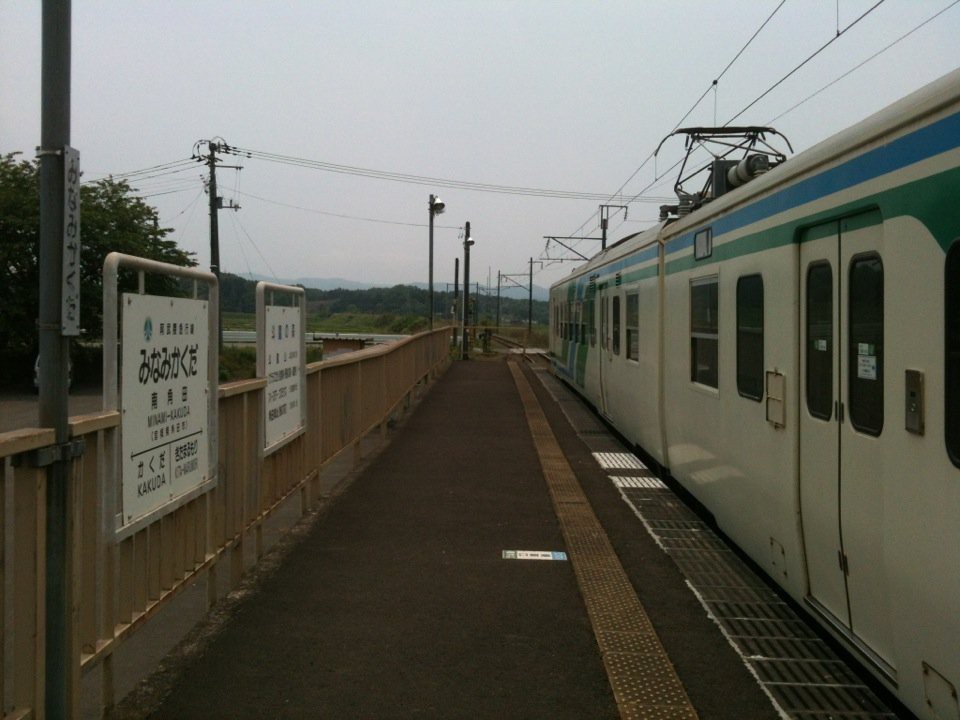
(644, 682)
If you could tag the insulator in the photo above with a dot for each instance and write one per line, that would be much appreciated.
(747, 169)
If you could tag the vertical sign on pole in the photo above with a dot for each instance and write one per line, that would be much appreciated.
(70, 294)
(281, 359)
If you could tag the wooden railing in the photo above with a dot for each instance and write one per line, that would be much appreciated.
(118, 586)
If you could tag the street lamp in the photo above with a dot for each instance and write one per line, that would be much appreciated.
(465, 342)
(436, 206)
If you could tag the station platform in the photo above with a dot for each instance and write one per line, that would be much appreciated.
(504, 556)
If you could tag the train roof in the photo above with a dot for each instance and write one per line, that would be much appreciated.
(929, 99)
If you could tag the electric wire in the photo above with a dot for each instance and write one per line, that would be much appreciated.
(415, 179)
(804, 62)
(839, 34)
(344, 216)
(649, 157)
(862, 63)
(170, 167)
(255, 247)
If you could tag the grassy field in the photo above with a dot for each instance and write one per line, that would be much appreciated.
(339, 323)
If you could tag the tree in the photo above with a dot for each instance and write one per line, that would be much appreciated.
(112, 218)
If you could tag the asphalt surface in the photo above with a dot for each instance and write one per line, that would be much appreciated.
(398, 602)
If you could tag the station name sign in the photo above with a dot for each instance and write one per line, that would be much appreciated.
(164, 386)
(281, 361)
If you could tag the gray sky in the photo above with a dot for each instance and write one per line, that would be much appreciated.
(559, 95)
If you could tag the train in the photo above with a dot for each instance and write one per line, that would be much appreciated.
(785, 344)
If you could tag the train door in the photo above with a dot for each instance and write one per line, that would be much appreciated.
(841, 421)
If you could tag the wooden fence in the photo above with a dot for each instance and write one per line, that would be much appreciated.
(118, 586)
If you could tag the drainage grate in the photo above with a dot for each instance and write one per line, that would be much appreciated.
(804, 679)
(619, 461)
(645, 482)
(797, 670)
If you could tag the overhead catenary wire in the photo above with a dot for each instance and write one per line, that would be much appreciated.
(693, 107)
(862, 62)
(415, 179)
(840, 33)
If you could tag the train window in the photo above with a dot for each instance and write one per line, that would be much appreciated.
(750, 336)
(703, 244)
(633, 326)
(952, 316)
(592, 317)
(820, 340)
(704, 331)
(604, 322)
(865, 352)
(616, 324)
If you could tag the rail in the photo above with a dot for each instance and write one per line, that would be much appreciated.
(117, 587)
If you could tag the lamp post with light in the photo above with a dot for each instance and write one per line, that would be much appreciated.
(465, 342)
(436, 206)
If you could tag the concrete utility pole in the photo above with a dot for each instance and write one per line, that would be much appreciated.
(436, 206)
(216, 204)
(456, 297)
(530, 302)
(59, 310)
(498, 301)
(465, 341)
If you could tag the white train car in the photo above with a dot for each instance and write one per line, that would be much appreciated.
(790, 353)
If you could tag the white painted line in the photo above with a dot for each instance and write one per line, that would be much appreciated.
(618, 461)
(647, 483)
(534, 555)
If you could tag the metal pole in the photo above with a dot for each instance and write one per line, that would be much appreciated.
(456, 296)
(498, 301)
(54, 346)
(215, 229)
(604, 217)
(430, 281)
(530, 301)
(465, 340)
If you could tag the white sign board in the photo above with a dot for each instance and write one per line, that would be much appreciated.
(70, 291)
(164, 431)
(283, 411)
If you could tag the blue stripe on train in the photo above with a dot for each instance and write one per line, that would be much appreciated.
(939, 137)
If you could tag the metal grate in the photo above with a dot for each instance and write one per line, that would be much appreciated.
(619, 461)
(799, 672)
(804, 679)
(644, 482)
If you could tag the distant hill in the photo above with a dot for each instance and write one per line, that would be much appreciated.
(539, 293)
(237, 294)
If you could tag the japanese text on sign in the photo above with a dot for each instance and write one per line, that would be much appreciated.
(284, 370)
(70, 291)
(164, 435)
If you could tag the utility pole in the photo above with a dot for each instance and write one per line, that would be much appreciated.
(216, 204)
(214, 221)
(465, 341)
(498, 301)
(530, 303)
(436, 206)
(456, 296)
(58, 319)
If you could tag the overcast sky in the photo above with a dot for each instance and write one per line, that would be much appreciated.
(537, 94)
